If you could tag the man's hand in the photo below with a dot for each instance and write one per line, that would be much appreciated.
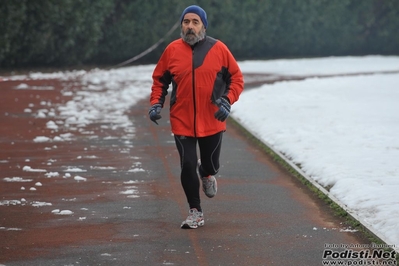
(154, 112)
(224, 109)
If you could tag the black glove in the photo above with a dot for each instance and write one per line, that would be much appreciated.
(154, 112)
(224, 109)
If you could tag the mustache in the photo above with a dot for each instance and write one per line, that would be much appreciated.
(190, 31)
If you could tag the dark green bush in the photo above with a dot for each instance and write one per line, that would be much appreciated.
(72, 32)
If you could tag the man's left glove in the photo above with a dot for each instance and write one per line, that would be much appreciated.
(154, 112)
(224, 109)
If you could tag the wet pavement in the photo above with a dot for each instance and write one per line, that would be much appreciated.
(106, 196)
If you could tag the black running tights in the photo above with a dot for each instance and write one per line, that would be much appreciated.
(209, 150)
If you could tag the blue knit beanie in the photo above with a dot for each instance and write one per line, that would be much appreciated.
(196, 10)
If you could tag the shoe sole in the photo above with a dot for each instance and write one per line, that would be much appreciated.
(186, 226)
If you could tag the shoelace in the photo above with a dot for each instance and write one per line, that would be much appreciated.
(194, 215)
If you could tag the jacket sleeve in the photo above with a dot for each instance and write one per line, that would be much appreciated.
(161, 79)
(236, 79)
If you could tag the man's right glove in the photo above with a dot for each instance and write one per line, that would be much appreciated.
(154, 112)
(224, 109)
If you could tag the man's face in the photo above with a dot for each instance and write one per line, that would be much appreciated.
(192, 29)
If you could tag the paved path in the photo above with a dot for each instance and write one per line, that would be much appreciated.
(125, 216)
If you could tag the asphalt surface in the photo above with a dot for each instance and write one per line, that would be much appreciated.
(260, 216)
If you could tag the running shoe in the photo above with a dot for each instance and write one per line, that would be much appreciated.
(194, 219)
(209, 183)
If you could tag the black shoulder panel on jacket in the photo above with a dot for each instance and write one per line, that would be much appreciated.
(201, 50)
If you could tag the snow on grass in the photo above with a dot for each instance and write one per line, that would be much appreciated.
(341, 131)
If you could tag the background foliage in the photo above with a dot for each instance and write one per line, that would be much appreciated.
(77, 32)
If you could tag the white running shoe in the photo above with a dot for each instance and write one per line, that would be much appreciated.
(194, 220)
(209, 183)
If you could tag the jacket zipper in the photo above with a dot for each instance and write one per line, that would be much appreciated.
(193, 88)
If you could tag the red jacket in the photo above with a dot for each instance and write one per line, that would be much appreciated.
(199, 75)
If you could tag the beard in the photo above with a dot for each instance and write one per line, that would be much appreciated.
(191, 37)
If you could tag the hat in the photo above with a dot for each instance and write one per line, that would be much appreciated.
(196, 10)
